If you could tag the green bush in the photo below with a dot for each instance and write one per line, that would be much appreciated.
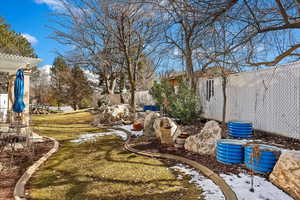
(183, 104)
(160, 91)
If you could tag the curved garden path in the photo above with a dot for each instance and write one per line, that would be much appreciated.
(100, 169)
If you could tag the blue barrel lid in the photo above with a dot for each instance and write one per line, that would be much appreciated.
(264, 147)
(232, 141)
(240, 122)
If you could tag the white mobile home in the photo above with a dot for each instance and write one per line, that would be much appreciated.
(269, 98)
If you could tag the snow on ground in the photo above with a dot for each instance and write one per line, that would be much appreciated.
(62, 108)
(210, 190)
(129, 127)
(93, 136)
(263, 189)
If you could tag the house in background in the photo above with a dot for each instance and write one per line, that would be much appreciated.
(176, 77)
(9, 64)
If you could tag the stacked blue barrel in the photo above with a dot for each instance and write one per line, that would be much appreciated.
(261, 158)
(238, 129)
(151, 108)
(230, 151)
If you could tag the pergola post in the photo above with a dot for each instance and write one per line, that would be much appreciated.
(10, 64)
(26, 113)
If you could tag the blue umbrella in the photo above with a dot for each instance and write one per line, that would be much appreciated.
(19, 105)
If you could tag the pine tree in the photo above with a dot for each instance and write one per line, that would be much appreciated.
(14, 43)
(79, 89)
(59, 73)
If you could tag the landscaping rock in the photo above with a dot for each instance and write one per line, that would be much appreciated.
(1, 167)
(114, 114)
(286, 173)
(205, 141)
(148, 123)
(175, 130)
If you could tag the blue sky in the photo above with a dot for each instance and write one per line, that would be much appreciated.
(30, 17)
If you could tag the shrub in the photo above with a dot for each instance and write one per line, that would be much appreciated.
(183, 104)
(160, 91)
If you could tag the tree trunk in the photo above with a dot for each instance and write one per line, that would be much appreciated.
(132, 102)
(190, 69)
(224, 86)
(110, 85)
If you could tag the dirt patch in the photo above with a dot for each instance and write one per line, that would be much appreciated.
(14, 168)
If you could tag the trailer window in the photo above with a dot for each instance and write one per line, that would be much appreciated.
(210, 89)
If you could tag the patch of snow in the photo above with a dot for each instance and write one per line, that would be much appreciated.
(93, 136)
(210, 190)
(62, 108)
(129, 127)
(263, 189)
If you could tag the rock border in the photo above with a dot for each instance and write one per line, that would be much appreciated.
(225, 188)
(19, 191)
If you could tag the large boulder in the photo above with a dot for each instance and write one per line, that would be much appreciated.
(286, 173)
(114, 113)
(205, 141)
(148, 123)
(174, 128)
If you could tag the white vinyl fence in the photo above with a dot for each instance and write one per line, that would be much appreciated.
(144, 98)
(269, 98)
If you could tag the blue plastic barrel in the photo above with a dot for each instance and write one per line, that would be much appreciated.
(239, 129)
(265, 159)
(151, 108)
(230, 151)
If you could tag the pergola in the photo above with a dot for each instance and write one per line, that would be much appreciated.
(11, 63)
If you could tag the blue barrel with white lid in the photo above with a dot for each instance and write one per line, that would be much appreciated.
(230, 151)
(239, 129)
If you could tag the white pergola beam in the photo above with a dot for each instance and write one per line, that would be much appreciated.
(11, 63)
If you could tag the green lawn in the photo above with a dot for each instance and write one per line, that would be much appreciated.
(101, 169)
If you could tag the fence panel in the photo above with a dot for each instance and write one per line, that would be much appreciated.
(268, 98)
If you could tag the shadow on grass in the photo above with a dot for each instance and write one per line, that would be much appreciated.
(82, 168)
(103, 170)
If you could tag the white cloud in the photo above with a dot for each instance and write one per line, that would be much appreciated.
(45, 69)
(91, 76)
(30, 38)
(45, 72)
(53, 4)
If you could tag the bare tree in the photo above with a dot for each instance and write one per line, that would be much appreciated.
(111, 36)
(260, 33)
(188, 25)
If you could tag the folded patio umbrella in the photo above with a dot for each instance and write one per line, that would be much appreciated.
(19, 105)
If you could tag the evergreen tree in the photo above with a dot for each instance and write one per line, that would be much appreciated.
(14, 43)
(79, 89)
(59, 74)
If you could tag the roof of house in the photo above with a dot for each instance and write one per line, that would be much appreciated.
(210, 72)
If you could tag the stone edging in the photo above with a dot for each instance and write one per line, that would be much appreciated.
(19, 191)
(225, 188)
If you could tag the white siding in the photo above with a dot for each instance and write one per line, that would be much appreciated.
(3, 107)
(268, 98)
(144, 98)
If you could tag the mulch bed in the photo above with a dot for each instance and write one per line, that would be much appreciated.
(14, 169)
(280, 141)
(153, 145)
(264, 137)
